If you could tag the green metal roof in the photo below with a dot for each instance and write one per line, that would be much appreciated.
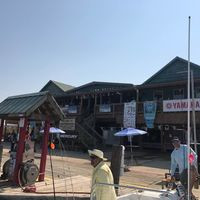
(175, 70)
(31, 105)
(56, 88)
(63, 86)
(99, 87)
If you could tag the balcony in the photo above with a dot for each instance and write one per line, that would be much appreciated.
(71, 111)
(116, 110)
(140, 107)
(109, 109)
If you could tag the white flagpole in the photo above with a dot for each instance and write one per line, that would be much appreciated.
(188, 112)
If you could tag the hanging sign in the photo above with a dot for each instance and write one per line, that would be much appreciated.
(129, 114)
(149, 113)
(28, 150)
(68, 124)
(180, 105)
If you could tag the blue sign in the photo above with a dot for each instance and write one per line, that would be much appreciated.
(149, 113)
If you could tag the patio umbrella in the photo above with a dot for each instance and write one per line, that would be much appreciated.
(54, 130)
(130, 132)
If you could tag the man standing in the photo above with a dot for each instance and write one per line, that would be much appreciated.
(179, 159)
(101, 176)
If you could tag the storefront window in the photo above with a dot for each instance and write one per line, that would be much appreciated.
(197, 92)
(158, 95)
(178, 93)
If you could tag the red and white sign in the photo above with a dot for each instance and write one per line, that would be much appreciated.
(180, 105)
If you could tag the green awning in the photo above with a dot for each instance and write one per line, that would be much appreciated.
(35, 106)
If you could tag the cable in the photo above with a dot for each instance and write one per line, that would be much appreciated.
(54, 192)
(63, 149)
(19, 179)
(60, 145)
(62, 192)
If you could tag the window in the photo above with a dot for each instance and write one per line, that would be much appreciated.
(178, 93)
(197, 92)
(158, 95)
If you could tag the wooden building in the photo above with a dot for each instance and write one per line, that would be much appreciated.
(94, 111)
(168, 88)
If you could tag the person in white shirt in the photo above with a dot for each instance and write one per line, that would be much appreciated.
(179, 159)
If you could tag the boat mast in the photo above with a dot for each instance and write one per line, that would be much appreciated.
(188, 111)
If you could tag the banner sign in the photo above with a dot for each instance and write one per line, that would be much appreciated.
(129, 114)
(105, 108)
(149, 113)
(180, 105)
(68, 136)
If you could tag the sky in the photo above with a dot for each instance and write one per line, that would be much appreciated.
(80, 41)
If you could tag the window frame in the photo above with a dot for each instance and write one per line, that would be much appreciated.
(178, 97)
(154, 97)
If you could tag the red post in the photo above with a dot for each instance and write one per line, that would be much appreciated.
(44, 150)
(1, 129)
(20, 148)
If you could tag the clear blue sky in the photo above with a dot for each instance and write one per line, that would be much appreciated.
(79, 41)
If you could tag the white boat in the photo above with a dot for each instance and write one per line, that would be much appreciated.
(151, 195)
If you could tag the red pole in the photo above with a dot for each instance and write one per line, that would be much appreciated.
(1, 129)
(20, 148)
(44, 150)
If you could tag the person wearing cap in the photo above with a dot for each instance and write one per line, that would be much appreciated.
(101, 175)
(179, 159)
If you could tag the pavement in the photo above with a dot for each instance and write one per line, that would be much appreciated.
(72, 173)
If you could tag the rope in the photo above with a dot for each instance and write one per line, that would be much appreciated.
(54, 192)
(50, 153)
(19, 179)
(60, 145)
(63, 150)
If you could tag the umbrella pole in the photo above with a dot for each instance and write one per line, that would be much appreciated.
(132, 152)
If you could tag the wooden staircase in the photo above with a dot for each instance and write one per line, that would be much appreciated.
(88, 136)
(87, 140)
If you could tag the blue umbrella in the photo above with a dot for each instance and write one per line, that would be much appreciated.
(130, 132)
(54, 130)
